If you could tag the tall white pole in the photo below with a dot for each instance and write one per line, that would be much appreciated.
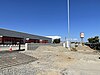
(68, 18)
(68, 5)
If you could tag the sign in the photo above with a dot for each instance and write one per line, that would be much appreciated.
(40, 40)
(1, 36)
(27, 38)
(82, 35)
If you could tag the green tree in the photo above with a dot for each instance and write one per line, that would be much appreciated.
(93, 39)
(56, 41)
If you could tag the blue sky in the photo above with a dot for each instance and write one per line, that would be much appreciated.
(49, 17)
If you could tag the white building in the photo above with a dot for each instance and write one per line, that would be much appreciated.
(54, 37)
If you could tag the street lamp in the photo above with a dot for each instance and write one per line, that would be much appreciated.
(68, 8)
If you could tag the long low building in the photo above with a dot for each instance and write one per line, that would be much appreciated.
(14, 37)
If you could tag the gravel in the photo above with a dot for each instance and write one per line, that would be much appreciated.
(56, 61)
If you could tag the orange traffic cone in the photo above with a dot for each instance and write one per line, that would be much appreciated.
(10, 48)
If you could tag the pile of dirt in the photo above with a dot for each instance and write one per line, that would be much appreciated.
(84, 48)
(50, 59)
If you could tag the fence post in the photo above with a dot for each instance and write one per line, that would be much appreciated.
(26, 45)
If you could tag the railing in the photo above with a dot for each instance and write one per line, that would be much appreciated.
(27, 46)
(9, 47)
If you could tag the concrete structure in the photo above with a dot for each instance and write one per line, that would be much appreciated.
(54, 37)
(14, 37)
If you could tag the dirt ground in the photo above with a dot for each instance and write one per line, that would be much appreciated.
(56, 61)
(51, 60)
(61, 61)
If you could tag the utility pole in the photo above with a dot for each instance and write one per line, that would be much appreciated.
(68, 8)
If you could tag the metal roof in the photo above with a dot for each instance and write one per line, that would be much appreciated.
(11, 33)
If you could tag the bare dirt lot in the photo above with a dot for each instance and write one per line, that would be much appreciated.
(58, 61)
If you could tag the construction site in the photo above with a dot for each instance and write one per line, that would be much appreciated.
(67, 38)
(50, 60)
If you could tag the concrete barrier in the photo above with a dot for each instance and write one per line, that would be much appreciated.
(33, 46)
